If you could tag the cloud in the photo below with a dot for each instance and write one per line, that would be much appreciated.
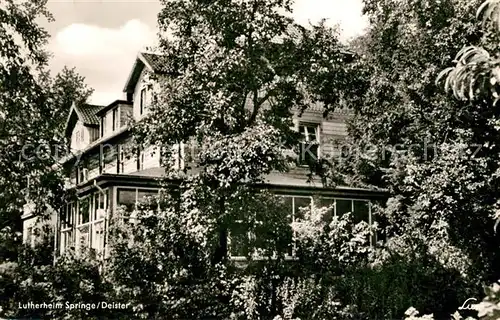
(346, 13)
(103, 55)
(83, 40)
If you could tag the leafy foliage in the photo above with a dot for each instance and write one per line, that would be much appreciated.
(33, 109)
(174, 249)
(236, 72)
(35, 278)
(434, 154)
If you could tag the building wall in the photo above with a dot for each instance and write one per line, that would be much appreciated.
(333, 127)
(80, 137)
(126, 113)
(110, 154)
(122, 116)
(93, 134)
(92, 166)
(111, 157)
(33, 225)
(141, 84)
(332, 132)
(151, 158)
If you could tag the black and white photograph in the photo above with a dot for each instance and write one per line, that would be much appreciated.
(250, 159)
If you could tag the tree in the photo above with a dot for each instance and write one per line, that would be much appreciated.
(67, 87)
(475, 78)
(33, 109)
(236, 72)
(437, 156)
(23, 108)
(475, 74)
(173, 248)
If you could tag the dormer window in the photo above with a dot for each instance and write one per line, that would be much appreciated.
(111, 118)
(103, 125)
(143, 101)
(115, 119)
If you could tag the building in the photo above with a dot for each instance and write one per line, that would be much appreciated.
(105, 177)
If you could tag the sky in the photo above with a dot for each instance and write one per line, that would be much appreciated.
(101, 38)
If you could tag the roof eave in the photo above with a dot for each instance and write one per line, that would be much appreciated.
(71, 110)
(111, 105)
(133, 77)
(145, 61)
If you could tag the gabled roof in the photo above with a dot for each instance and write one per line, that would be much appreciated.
(86, 113)
(156, 62)
(153, 61)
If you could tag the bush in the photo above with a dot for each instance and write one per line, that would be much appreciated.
(388, 290)
(73, 281)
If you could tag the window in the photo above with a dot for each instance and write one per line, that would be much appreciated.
(82, 174)
(299, 204)
(140, 160)
(83, 238)
(66, 240)
(309, 147)
(83, 226)
(85, 174)
(179, 156)
(103, 125)
(239, 240)
(79, 136)
(342, 207)
(296, 204)
(84, 211)
(120, 159)
(115, 119)
(192, 151)
(72, 218)
(143, 195)
(29, 236)
(288, 202)
(95, 207)
(89, 214)
(361, 211)
(326, 202)
(101, 203)
(66, 214)
(143, 101)
(128, 198)
(98, 235)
